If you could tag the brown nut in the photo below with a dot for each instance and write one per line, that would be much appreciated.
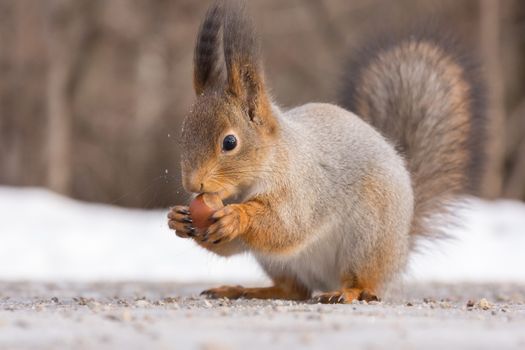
(202, 208)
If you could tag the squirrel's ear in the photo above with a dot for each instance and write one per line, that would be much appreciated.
(243, 65)
(206, 68)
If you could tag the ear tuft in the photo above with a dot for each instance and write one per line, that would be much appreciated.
(243, 63)
(206, 68)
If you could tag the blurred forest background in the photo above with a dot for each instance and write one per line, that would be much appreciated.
(92, 92)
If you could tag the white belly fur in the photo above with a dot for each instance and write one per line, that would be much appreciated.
(317, 266)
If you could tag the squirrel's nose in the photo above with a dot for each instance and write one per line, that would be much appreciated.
(193, 183)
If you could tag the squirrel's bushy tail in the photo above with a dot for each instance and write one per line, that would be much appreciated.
(425, 97)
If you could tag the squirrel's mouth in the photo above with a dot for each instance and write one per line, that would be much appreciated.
(229, 194)
(225, 193)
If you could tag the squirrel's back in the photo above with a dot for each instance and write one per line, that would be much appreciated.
(422, 94)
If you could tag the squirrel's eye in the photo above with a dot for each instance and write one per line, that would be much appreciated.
(229, 143)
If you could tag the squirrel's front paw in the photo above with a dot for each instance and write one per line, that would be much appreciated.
(180, 221)
(227, 225)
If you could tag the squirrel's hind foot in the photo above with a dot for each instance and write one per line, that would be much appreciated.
(274, 292)
(228, 292)
(346, 296)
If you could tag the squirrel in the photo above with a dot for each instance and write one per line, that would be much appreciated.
(330, 199)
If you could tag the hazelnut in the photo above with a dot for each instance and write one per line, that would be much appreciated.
(202, 208)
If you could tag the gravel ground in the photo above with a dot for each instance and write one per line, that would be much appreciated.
(173, 316)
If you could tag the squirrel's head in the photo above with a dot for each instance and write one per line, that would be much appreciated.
(227, 135)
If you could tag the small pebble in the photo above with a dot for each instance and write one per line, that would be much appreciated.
(445, 305)
(484, 304)
(170, 300)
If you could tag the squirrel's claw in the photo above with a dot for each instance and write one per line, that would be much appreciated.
(179, 220)
(346, 296)
(331, 298)
(183, 211)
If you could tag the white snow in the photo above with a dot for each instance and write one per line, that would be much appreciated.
(44, 236)
(489, 247)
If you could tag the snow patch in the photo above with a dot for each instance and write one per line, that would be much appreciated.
(44, 236)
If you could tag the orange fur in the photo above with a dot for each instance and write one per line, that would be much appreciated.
(284, 288)
(265, 230)
(256, 224)
(352, 289)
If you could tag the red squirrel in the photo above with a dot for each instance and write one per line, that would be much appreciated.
(331, 198)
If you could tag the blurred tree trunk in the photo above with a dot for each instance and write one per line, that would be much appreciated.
(514, 185)
(60, 125)
(515, 181)
(491, 48)
(22, 92)
(151, 80)
(70, 33)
